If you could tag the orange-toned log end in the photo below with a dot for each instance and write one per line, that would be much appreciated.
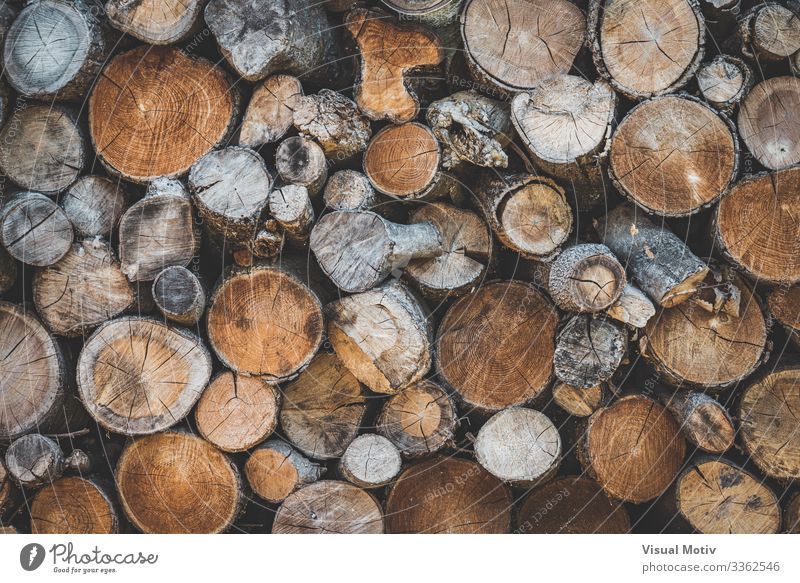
(448, 495)
(178, 483)
(388, 51)
(275, 470)
(403, 160)
(634, 448)
(155, 111)
(73, 506)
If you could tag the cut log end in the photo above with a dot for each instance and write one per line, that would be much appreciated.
(156, 22)
(94, 205)
(179, 295)
(349, 190)
(270, 112)
(370, 461)
(275, 470)
(586, 278)
(579, 401)
(73, 505)
(403, 161)
(34, 460)
(588, 351)
(766, 125)
(35, 230)
(724, 81)
(302, 161)
(703, 419)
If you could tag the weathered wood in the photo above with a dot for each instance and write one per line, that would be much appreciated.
(370, 461)
(432, 13)
(349, 190)
(34, 460)
(589, 350)
(323, 408)
(658, 261)
(383, 336)
(420, 419)
(448, 495)
(586, 278)
(634, 449)
(44, 148)
(265, 321)
(270, 111)
(73, 505)
(138, 376)
(716, 497)
(495, 347)
(329, 506)
(770, 31)
(633, 307)
(177, 483)
(34, 229)
(389, 51)
(55, 49)
(767, 123)
(646, 50)
(302, 161)
(179, 295)
(519, 44)
(724, 82)
(571, 505)
(767, 422)
(275, 469)
(579, 401)
(334, 121)
(156, 22)
(290, 205)
(187, 98)
(94, 205)
(703, 420)
(236, 412)
(82, 290)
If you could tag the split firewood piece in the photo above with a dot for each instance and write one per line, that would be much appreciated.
(359, 249)
(179, 295)
(291, 36)
(650, 50)
(323, 408)
(83, 290)
(467, 244)
(157, 232)
(673, 168)
(495, 347)
(589, 350)
(34, 229)
(448, 495)
(717, 497)
(73, 505)
(156, 22)
(388, 52)
(383, 336)
(579, 401)
(138, 376)
(230, 188)
(571, 505)
(719, 292)
(156, 110)
(704, 420)
(270, 112)
(290, 206)
(44, 148)
(724, 82)
(403, 162)
(94, 205)
(265, 321)
(335, 122)
(8, 271)
(770, 31)
(633, 307)
(634, 449)
(175, 482)
(432, 13)
(586, 278)
(784, 306)
(275, 469)
(520, 446)
(690, 345)
(756, 225)
(302, 161)
(528, 213)
(767, 422)
(34, 460)
(471, 128)
(55, 49)
(329, 506)
(565, 125)
(518, 44)
(767, 122)
(237, 412)
(421, 419)
(659, 262)
(349, 190)
(33, 360)
(370, 461)
(791, 515)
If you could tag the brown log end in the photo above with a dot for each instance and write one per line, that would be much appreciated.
(73, 505)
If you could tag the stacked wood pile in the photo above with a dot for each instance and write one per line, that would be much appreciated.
(402, 266)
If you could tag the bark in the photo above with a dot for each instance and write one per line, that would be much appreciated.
(589, 351)
(34, 460)
(448, 495)
(724, 82)
(275, 469)
(178, 483)
(580, 401)
(53, 134)
(323, 408)
(270, 112)
(495, 347)
(302, 162)
(34, 229)
(73, 505)
(586, 278)
(291, 207)
(335, 122)
(138, 376)
(179, 295)
(703, 420)
(349, 190)
(633, 307)
(156, 22)
(94, 205)
(236, 412)
(370, 461)
(767, 124)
